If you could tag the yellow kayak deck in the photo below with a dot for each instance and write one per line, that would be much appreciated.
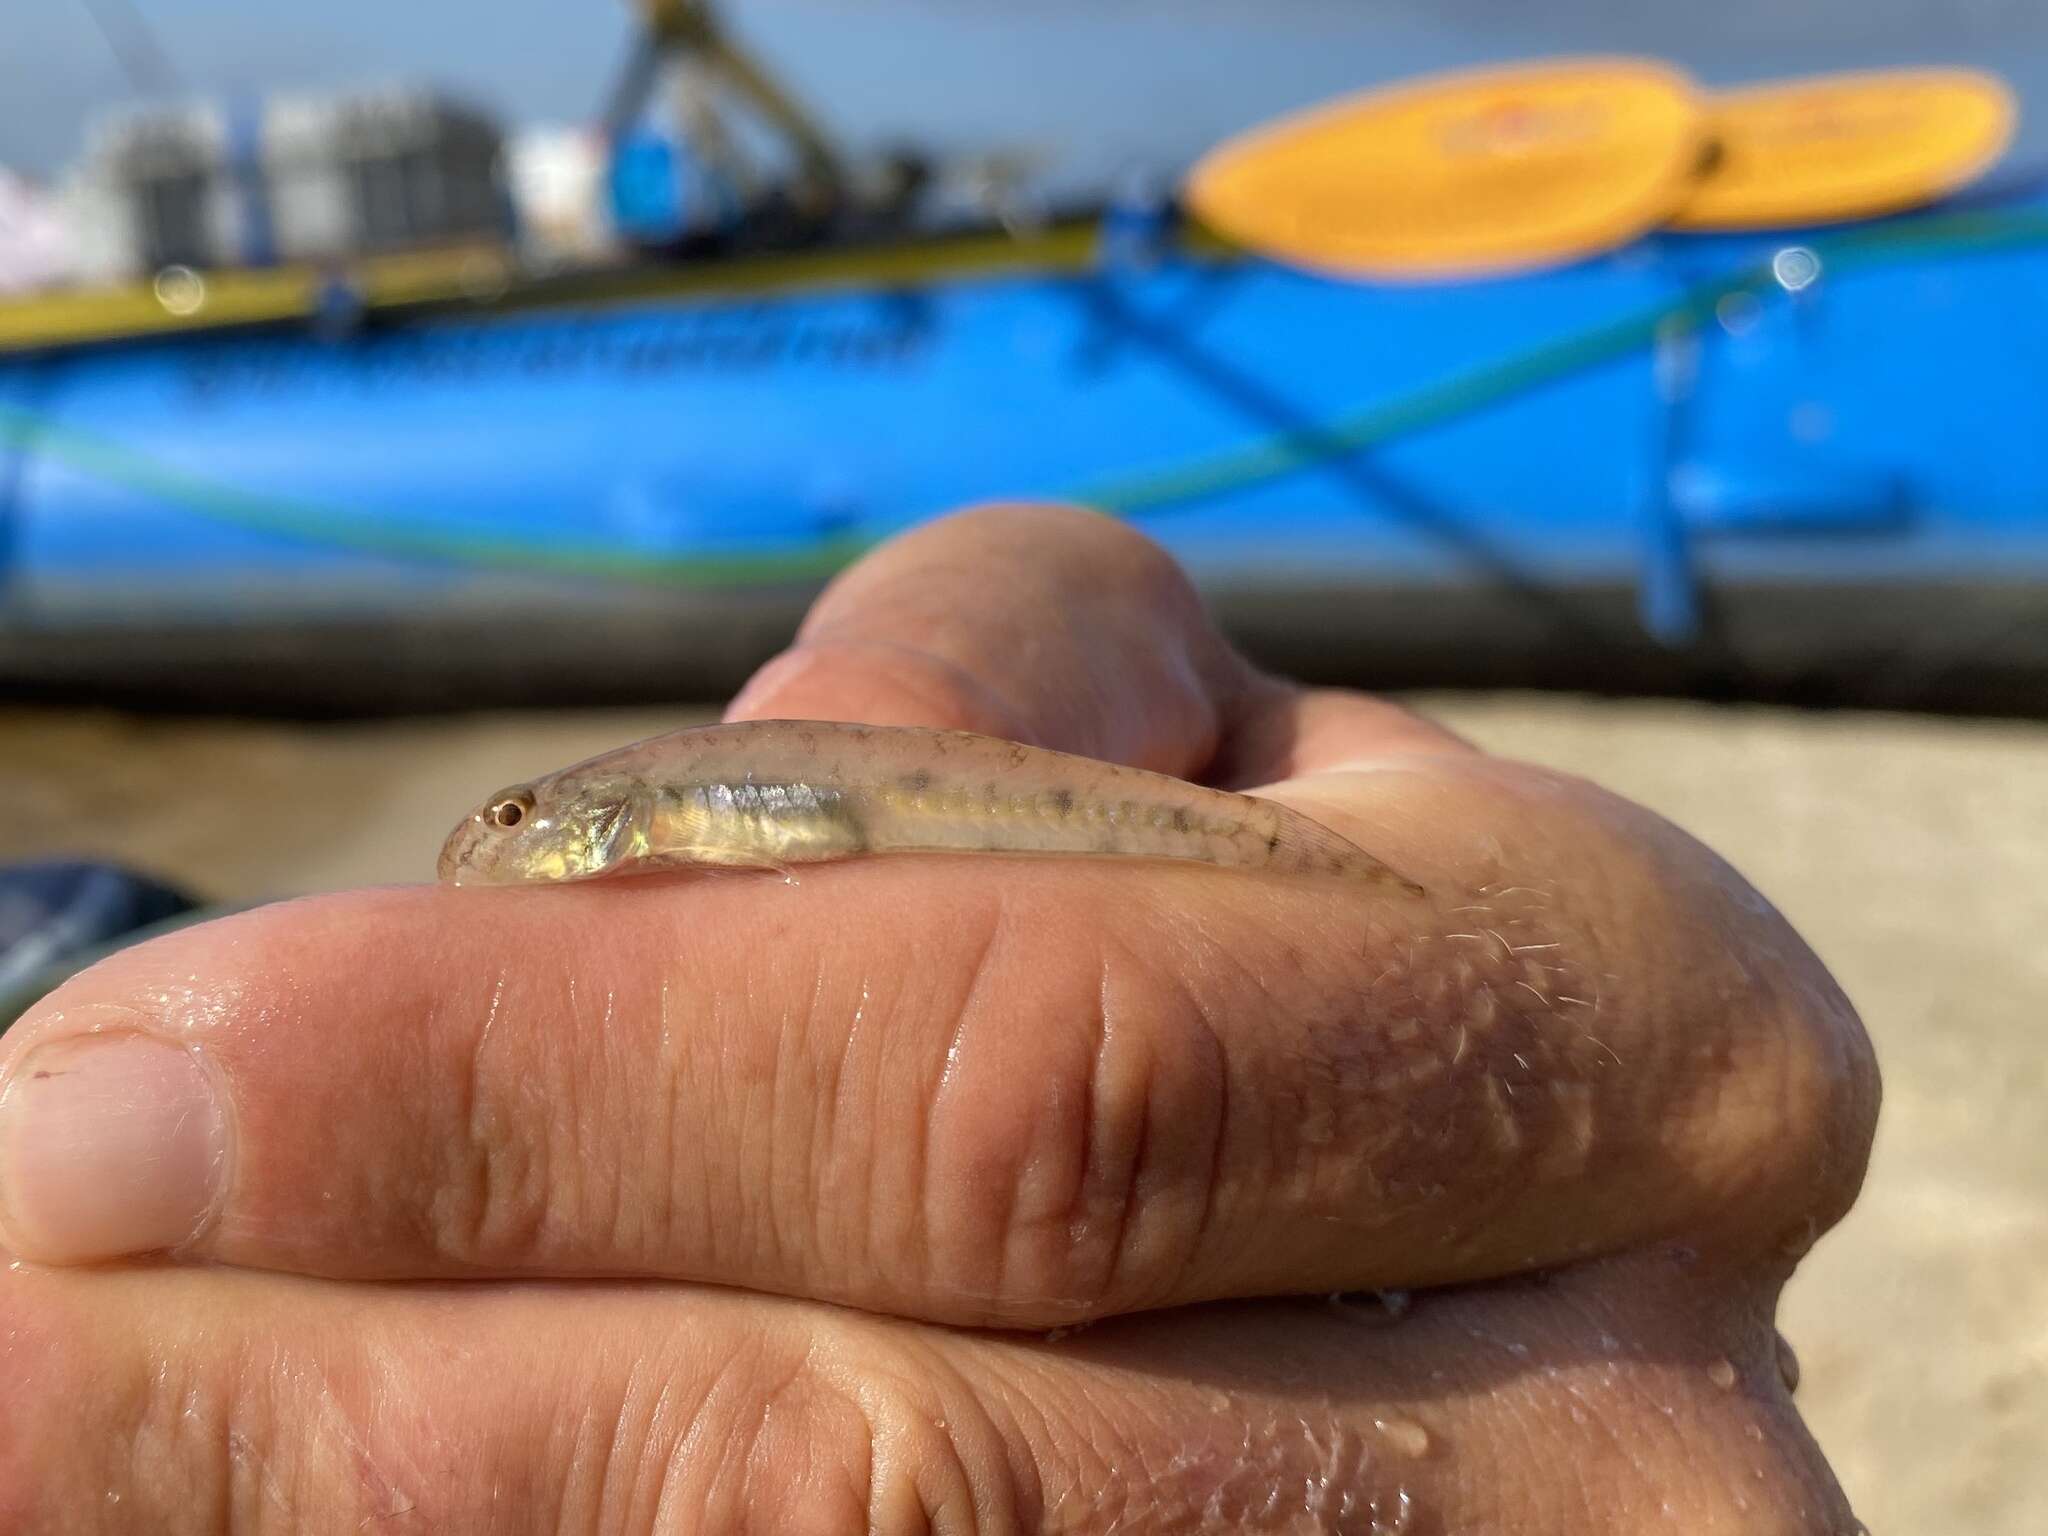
(179, 301)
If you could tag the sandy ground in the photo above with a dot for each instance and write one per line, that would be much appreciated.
(1913, 854)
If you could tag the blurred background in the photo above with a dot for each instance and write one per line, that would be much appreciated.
(393, 405)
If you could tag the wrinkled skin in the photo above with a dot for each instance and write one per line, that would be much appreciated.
(776, 1144)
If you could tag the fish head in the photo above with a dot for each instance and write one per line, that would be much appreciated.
(569, 826)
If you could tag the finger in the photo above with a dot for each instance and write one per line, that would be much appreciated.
(184, 1402)
(1043, 624)
(1063, 628)
(193, 1402)
(1038, 1091)
(1572, 1408)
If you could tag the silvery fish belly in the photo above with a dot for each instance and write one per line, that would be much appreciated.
(775, 793)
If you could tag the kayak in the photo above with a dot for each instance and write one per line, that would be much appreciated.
(1805, 460)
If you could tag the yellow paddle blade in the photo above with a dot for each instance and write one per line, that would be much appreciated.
(1483, 171)
(1838, 147)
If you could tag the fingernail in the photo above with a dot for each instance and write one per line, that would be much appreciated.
(109, 1145)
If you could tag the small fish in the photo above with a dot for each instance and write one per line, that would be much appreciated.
(775, 793)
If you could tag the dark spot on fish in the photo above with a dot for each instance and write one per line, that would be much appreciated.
(1019, 756)
(1063, 801)
(1180, 821)
(42, 1073)
(843, 813)
(917, 783)
(1273, 842)
(808, 740)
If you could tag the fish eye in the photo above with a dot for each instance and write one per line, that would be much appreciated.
(509, 810)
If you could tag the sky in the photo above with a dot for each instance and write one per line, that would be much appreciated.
(1093, 86)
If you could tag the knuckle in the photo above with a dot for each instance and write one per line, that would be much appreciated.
(172, 1441)
(1761, 1070)
(501, 1176)
(238, 1440)
(1796, 1096)
(777, 1444)
(939, 1461)
(1832, 1069)
(1808, 1155)
(1072, 1147)
(187, 1440)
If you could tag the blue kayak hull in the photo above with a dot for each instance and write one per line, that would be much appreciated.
(1629, 451)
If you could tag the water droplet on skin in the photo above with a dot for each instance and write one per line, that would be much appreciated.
(1393, 1515)
(1722, 1374)
(1788, 1364)
(1405, 1436)
(1371, 1306)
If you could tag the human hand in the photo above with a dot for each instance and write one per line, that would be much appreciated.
(429, 1183)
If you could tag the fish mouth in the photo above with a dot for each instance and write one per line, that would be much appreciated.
(455, 853)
